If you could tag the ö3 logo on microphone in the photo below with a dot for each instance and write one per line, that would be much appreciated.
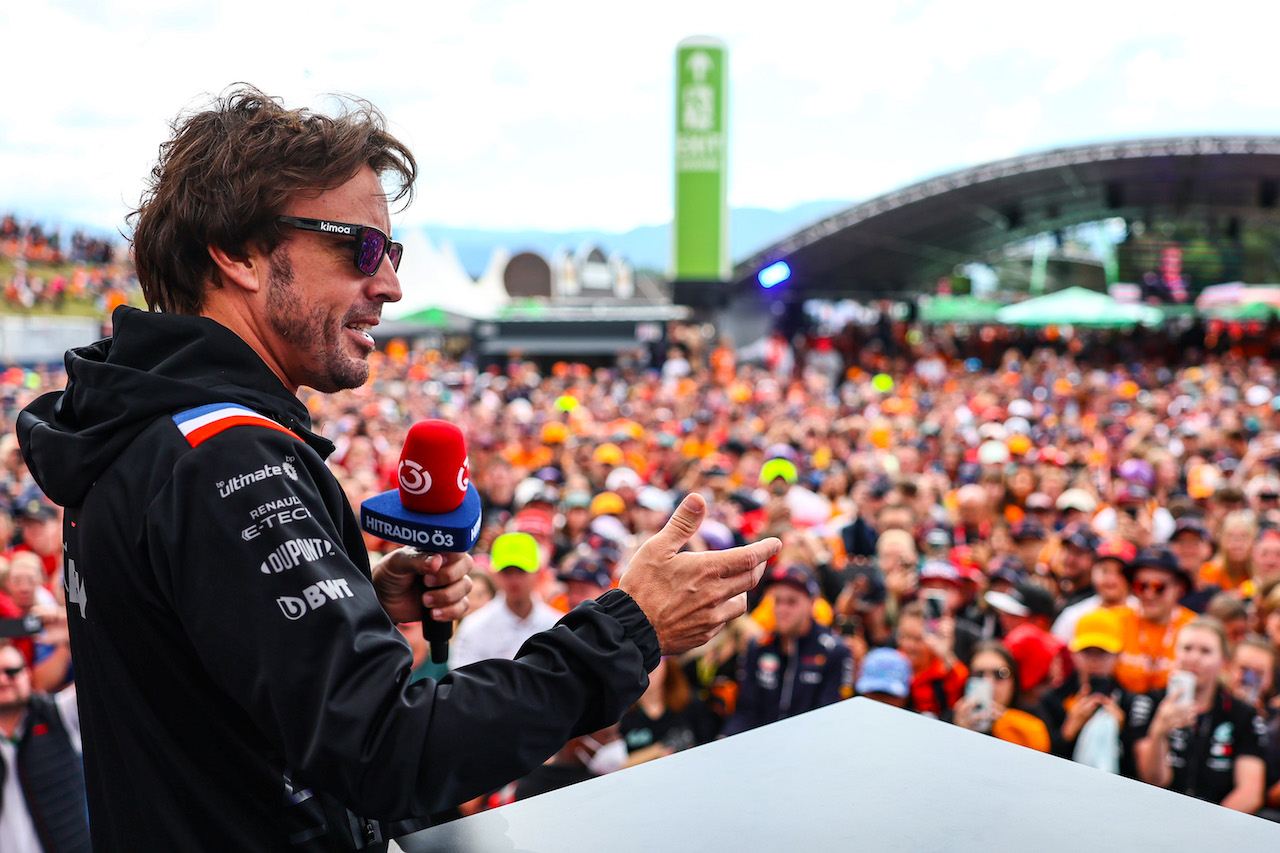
(416, 480)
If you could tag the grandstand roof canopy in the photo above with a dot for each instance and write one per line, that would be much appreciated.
(901, 242)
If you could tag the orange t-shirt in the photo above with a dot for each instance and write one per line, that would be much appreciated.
(1147, 656)
(763, 614)
(532, 460)
(1214, 573)
(1023, 729)
(924, 697)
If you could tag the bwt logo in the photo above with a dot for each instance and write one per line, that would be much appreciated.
(335, 229)
(314, 597)
(414, 479)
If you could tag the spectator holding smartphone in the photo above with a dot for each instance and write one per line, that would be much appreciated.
(1201, 740)
(938, 676)
(1087, 713)
(1001, 716)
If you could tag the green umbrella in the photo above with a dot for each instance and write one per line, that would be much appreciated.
(1242, 311)
(1078, 306)
(432, 318)
(959, 309)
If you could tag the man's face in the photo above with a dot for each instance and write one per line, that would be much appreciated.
(1076, 561)
(791, 609)
(1109, 581)
(318, 306)
(911, 642)
(953, 594)
(1254, 665)
(1095, 663)
(1266, 556)
(15, 690)
(516, 584)
(895, 518)
(42, 535)
(1191, 550)
(24, 577)
(576, 592)
(649, 519)
(1157, 591)
(1029, 549)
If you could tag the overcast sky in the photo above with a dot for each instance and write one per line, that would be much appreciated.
(556, 114)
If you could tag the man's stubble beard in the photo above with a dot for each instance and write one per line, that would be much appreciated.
(310, 330)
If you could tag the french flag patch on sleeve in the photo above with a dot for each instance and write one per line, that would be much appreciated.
(204, 422)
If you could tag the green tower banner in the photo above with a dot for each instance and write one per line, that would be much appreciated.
(700, 232)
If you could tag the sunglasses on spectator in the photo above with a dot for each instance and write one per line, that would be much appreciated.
(13, 671)
(371, 244)
(1268, 496)
(1158, 587)
(1001, 674)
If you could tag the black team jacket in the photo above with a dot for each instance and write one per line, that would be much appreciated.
(240, 686)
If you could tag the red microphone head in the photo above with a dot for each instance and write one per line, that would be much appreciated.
(433, 471)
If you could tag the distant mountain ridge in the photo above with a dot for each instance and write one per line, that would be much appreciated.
(647, 247)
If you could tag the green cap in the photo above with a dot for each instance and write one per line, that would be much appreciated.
(775, 468)
(514, 549)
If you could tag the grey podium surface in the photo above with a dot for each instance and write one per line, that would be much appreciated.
(857, 775)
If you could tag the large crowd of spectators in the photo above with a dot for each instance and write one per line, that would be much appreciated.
(50, 269)
(1069, 543)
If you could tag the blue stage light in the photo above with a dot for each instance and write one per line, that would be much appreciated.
(774, 274)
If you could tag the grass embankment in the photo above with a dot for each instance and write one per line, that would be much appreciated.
(70, 306)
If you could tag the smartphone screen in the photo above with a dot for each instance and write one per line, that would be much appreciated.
(981, 691)
(1182, 686)
(23, 626)
(935, 605)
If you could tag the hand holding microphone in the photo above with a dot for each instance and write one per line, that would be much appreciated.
(435, 510)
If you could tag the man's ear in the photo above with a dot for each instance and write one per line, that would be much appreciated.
(245, 271)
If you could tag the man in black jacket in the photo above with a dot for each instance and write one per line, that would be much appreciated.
(242, 686)
(42, 806)
(799, 666)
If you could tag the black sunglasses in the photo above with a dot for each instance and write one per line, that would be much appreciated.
(13, 671)
(1001, 674)
(371, 244)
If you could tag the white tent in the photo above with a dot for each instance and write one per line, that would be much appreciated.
(435, 278)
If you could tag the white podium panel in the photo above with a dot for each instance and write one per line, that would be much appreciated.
(857, 775)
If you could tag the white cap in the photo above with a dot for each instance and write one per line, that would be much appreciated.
(1077, 499)
(1262, 483)
(621, 478)
(1020, 408)
(993, 430)
(651, 497)
(531, 488)
(993, 453)
(1017, 425)
(1257, 395)
(610, 527)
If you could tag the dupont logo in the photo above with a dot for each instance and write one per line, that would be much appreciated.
(336, 229)
(295, 552)
(314, 597)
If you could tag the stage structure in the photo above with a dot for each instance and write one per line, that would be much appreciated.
(854, 776)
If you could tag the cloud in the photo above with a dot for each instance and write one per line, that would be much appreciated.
(558, 113)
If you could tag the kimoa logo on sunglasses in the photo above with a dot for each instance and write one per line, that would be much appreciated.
(338, 229)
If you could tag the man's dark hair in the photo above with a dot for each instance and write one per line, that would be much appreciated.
(231, 168)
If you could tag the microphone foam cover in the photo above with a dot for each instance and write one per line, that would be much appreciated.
(433, 474)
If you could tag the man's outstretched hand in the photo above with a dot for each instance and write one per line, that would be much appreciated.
(689, 596)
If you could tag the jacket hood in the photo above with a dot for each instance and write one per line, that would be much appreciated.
(155, 364)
